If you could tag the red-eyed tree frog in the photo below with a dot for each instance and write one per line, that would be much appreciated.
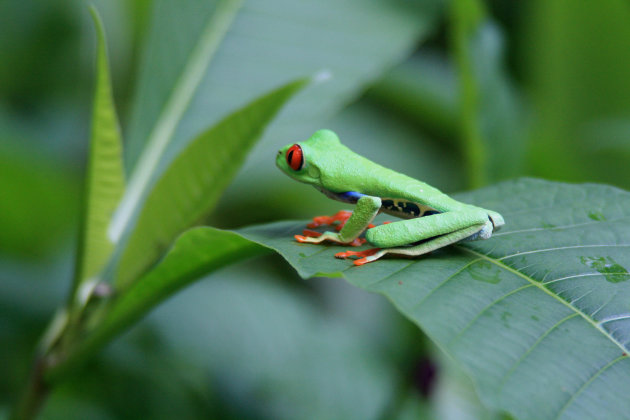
(432, 219)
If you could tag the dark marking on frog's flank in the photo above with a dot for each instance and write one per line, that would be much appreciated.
(388, 204)
(411, 208)
(406, 208)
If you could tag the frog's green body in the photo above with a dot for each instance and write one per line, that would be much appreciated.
(432, 216)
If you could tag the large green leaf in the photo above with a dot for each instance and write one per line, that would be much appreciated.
(192, 184)
(105, 182)
(538, 315)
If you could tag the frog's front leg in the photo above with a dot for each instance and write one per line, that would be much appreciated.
(367, 208)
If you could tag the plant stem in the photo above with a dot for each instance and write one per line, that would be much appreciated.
(33, 393)
(465, 19)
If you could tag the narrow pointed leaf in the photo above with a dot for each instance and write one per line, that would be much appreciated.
(192, 184)
(538, 315)
(104, 179)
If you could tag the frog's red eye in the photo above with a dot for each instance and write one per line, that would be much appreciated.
(295, 159)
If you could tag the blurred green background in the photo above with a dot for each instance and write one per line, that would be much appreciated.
(459, 94)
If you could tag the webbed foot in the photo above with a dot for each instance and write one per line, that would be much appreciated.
(313, 237)
(338, 219)
(367, 256)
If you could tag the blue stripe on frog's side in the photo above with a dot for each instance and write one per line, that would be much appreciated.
(350, 197)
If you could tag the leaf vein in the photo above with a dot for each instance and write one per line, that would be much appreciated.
(445, 281)
(553, 229)
(533, 346)
(587, 383)
(563, 247)
(499, 299)
(587, 318)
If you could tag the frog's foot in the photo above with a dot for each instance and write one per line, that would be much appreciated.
(341, 217)
(339, 220)
(313, 237)
(367, 256)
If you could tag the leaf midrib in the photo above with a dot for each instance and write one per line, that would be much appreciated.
(540, 286)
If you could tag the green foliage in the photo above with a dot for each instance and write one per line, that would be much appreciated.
(297, 358)
(267, 45)
(105, 181)
(191, 185)
(196, 252)
(580, 89)
(33, 182)
(496, 90)
(544, 301)
(492, 125)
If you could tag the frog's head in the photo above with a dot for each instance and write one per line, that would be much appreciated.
(303, 161)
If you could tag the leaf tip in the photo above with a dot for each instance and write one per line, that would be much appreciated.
(96, 17)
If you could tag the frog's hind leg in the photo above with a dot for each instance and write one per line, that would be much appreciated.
(374, 254)
(409, 232)
(436, 231)
(435, 243)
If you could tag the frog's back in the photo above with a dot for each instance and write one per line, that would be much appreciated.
(400, 193)
(408, 197)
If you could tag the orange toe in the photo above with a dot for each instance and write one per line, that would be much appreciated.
(341, 217)
(360, 261)
(311, 233)
(365, 253)
(319, 221)
(345, 254)
(358, 242)
(301, 238)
